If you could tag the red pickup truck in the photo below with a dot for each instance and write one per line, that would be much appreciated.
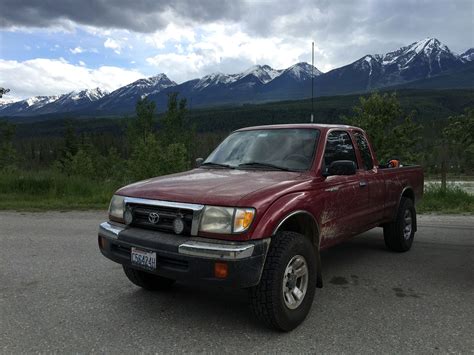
(258, 211)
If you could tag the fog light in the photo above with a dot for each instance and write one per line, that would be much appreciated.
(178, 225)
(128, 217)
(221, 270)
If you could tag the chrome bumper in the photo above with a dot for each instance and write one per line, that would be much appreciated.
(109, 230)
(196, 246)
(222, 251)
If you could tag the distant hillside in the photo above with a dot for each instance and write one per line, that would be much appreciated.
(430, 107)
(462, 78)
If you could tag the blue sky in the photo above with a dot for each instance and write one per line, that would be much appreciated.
(49, 47)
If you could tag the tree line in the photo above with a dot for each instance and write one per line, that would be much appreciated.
(146, 146)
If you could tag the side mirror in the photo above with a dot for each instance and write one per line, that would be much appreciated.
(341, 167)
(199, 161)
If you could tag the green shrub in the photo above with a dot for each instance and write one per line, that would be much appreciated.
(53, 190)
(452, 200)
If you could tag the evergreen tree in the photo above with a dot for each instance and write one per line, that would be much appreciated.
(176, 128)
(8, 154)
(458, 139)
(392, 133)
(143, 125)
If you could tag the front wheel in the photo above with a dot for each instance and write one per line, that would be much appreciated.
(399, 234)
(286, 290)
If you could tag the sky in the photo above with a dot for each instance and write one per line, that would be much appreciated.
(51, 47)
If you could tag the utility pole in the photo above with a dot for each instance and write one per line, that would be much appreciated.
(312, 85)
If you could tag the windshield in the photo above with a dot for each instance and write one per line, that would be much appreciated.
(273, 149)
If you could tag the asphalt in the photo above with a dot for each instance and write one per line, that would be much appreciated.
(58, 294)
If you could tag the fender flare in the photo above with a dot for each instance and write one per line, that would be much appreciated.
(319, 277)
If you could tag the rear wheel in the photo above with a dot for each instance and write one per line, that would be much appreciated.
(286, 290)
(399, 234)
(146, 280)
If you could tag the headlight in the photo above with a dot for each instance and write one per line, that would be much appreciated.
(226, 220)
(116, 208)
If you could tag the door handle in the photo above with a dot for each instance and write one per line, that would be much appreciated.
(363, 183)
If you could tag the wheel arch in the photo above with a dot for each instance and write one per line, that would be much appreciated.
(408, 192)
(303, 222)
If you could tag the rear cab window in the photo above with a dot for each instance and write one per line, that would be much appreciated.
(364, 149)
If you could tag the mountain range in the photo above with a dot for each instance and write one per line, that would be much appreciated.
(427, 63)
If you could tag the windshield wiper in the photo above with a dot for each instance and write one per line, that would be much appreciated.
(263, 165)
(210, 163)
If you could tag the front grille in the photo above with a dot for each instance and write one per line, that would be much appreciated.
(166, 215)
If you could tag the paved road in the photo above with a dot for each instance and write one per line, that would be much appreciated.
(57, 293)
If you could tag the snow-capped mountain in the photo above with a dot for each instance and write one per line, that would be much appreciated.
(467, 56)
(5, 101)
(125, 98)
(263, 73)
(73, 101)
(256, 84)
(214, 79)
(419, 61)
(302, 71)
(29, 106)
(40, 105)
(257, 74)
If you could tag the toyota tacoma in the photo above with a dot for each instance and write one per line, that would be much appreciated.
(257, 213)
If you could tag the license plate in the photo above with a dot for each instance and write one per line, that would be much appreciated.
(144, 259)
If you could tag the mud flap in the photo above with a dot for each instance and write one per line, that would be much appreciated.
(319, 281)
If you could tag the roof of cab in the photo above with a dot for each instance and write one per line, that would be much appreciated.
(319, 126)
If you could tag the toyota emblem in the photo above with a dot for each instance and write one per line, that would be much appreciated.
(154, 217)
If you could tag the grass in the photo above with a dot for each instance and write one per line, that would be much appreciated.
(452, 200)
(48, 190)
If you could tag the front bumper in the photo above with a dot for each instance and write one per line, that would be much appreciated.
(189, 259)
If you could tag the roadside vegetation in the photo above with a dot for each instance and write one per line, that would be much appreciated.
(451, 199)
(80, 169)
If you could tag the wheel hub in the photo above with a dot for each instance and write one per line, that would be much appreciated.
(407, 224)
(295, 282)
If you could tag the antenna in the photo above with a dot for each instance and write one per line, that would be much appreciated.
(312, 86)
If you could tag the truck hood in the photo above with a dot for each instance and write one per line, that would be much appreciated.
(223, 187)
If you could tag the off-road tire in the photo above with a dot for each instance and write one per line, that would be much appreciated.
(146, 280)
(266, 298)
(393, 232)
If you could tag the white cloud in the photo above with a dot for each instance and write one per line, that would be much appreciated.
(81, 63)
(227, 48)
(76, 50)
(113, 44)
(57, 76)
(172, 33)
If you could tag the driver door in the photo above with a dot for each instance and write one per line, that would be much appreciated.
(345, 196)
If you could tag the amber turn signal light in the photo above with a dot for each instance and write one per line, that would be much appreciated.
(243, 219)
(102, 242)
(221, 270)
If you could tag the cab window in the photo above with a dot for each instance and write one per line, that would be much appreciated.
(364, 149)
(338, 147)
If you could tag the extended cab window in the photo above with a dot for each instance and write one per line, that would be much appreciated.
(364, 149)
(339, 147)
